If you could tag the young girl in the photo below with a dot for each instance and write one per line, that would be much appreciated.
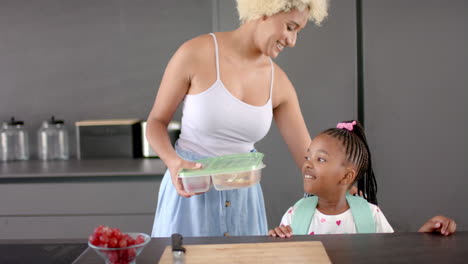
(335, 160)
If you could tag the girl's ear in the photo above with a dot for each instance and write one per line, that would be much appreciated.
(348, 177)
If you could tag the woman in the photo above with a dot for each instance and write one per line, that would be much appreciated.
(231, 90)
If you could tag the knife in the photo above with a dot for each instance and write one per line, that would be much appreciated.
(178, 251)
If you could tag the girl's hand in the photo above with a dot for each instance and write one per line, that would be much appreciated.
(353, 190)
(175, 167)
(442, 224)
(281, 231)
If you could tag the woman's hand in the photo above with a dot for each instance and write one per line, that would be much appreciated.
(175, 167)
(440, 223)
(281, 231)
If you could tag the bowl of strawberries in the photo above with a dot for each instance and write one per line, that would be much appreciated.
(116, 247)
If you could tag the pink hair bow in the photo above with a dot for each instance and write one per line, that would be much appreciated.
(347, 126)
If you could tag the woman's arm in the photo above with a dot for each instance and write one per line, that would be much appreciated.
(288, 117)
(172, 90)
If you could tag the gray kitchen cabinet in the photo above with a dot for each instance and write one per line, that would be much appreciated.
(67, 209)
(68, 199)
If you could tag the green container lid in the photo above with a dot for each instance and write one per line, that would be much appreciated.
(226, 164)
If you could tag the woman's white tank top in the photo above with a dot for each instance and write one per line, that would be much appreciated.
(215, 123)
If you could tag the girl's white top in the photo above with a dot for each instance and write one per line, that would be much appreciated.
(339, 224)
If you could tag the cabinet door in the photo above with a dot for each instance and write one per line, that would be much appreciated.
(73, 207)
(322, 67)
(415, 70)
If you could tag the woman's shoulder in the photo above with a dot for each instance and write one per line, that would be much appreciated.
(281, 80)
(280, 74)
(197, 45)
(194, 52)
(283, 89)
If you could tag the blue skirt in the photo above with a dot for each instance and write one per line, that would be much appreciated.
(238, 212)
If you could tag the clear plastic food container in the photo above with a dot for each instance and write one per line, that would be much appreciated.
(228, 181)
(196, 184)
(225, 172)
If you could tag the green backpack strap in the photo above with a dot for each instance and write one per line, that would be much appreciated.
(305, 209)
(362, 214)
(303, 213)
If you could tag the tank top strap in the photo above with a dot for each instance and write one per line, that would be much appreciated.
(272, 78)
(216, 53)
(217, 66)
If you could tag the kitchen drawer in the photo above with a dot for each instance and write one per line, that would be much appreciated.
(113, 195)
(70, 227)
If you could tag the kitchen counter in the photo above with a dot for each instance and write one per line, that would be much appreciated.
(46, 198)
(357, 248)
(36, 169)
(51, 251)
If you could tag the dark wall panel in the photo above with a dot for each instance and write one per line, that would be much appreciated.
(415, 69)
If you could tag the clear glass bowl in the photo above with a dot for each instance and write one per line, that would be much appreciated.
(123, 255)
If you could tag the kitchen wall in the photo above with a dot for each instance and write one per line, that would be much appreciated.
(89, 59)
(104, 59)
(415, 83)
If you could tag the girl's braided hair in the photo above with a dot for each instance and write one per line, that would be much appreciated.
(357, 152)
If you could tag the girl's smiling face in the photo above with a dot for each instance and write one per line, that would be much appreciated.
(326, 171)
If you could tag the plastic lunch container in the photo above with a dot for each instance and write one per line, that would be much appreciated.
(225, 172)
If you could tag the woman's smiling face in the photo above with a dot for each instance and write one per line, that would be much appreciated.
(325, 166)
(280, 30)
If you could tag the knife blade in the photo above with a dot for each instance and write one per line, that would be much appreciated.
(178, 251)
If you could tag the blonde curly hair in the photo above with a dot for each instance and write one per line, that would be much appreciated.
(253, 9)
